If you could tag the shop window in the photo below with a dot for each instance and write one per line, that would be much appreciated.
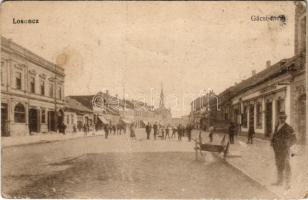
(18, 80)
(244, 118)
(42, 86)
(43, 116)
(20, 113)
(259, 115)
(32, 85)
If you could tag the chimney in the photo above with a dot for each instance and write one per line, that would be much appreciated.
(253, 72)
(268, 63)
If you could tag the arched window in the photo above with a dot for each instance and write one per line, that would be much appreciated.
(20, 113)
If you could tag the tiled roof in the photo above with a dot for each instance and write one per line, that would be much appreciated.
(74, 105)
(281, 67)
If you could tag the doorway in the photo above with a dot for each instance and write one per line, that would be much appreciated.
(34, 120)
(252, 117)
(268, 119)
(4, 120)
(51, 121)
(301, 119)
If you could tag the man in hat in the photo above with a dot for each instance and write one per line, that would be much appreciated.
(283, 139)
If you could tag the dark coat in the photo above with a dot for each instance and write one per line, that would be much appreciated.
(232, 129)
(283, 138)
(148, 128)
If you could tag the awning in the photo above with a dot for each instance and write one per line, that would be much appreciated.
(126, 121)
(105, 121)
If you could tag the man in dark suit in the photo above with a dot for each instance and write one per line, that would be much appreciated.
(148, 128)
(283, 139)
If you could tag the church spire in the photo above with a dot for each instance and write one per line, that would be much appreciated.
(162, 98)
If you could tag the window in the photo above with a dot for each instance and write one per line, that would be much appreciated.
(20, 113)
(32, 85)
(67, 119)
(42, 86)
(51, 89)
(280, 105)
(18, 80)
(43, 116)
(60, 93)
(259, 115)
(72, 119)
(244, 118)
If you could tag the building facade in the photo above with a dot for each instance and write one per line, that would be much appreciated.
(32, 92)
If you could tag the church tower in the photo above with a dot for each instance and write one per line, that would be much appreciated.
(162, 98)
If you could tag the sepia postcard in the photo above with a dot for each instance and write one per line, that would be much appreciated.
(153, 100)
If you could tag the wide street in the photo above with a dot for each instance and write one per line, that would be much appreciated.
(93, 167)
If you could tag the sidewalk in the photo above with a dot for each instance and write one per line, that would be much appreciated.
(257, 161)
(42, 138)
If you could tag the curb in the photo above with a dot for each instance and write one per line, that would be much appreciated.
(46, 141)
(248, 176)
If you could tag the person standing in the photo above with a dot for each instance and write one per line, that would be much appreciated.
(148, 129)
(167, 131)
(180, 129)
(251, 133)
(211, 134)
(283, 138)
(232, 130)
(155, 127)
(106, 129)
(173, 132)
(188, 130)
(132, 131)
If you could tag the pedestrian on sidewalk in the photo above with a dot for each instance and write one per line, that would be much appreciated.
(188, 130)
(167, 132)
(250, 135)
(283, 139)
(148, 129)
(211, 134)
(155, 128)
(106, 129)
(85, 129)
(180, 132)
(232, 130)
(173, 132)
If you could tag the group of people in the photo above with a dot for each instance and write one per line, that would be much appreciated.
(164, 132)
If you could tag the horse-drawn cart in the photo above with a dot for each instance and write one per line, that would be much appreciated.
(220, 148)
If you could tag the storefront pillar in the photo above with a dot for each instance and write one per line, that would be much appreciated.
(288, 103)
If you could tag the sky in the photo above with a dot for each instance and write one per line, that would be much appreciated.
(132, 49)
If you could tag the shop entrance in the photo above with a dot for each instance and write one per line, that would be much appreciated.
(268, 119)
(4, 120)
(51, 121)
(252, 117)
(34, 120)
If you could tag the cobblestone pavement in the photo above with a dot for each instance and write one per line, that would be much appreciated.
(93, 167)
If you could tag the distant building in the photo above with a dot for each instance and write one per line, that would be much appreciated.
(32, 92)
(76, 115)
